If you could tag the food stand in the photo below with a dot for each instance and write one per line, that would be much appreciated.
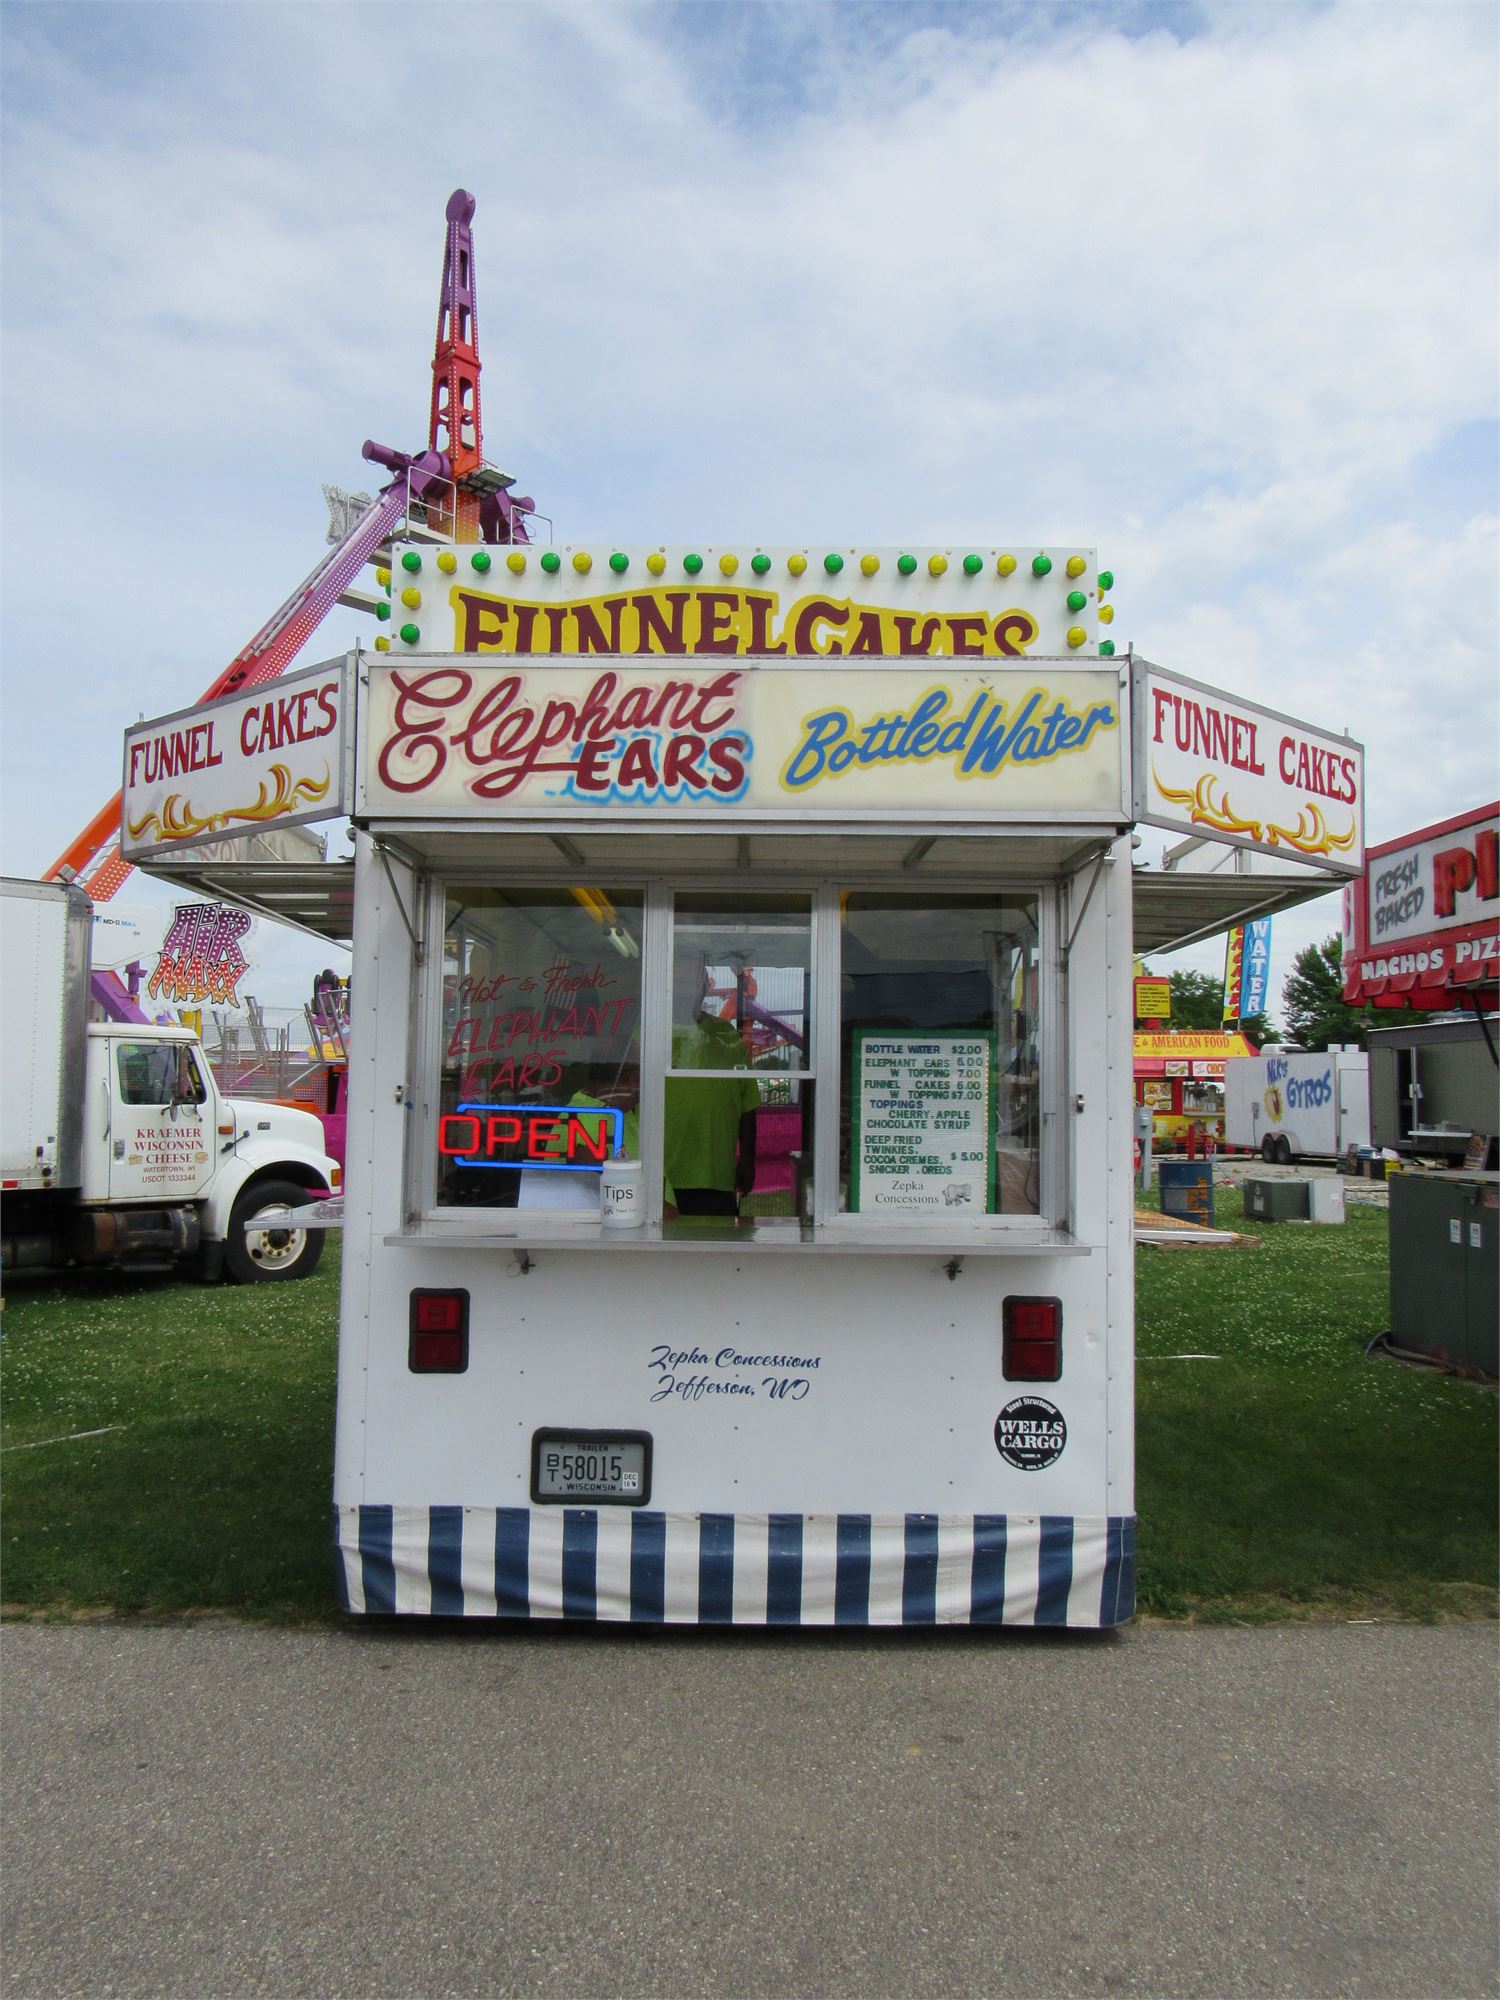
(738, 1214)
(1181, 1076)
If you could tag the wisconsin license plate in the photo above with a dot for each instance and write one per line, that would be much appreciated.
(594, 1468)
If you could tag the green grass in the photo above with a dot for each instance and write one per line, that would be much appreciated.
(214, 1492)
(1292, 1477)
(1289, 1478)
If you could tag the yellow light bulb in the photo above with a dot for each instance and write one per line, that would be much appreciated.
(583, 562)
(411, 596)
(729, 564)
(382, 645)
(515, 562)
(656, 562)
(1004, 565)
(382, 575)
(1077, 636)
(1076, 565)
(447, 562)
(1106, 614)
(796, 564)
(936, 565)
(869, 564)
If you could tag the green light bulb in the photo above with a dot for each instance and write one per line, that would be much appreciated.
(1040, 565)
(692, 564)
(411, 634)
(833, 564)
(1076, 600)
(1106, 579)
(619, 563)
(906, 564)
(382, 611)
(552, 562)
(1106, 645)
(412, 561)
(760, 564)
(973, 565)
(480, 560)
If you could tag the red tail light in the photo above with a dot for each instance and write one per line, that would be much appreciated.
(1032, 1347)
(439, 1343)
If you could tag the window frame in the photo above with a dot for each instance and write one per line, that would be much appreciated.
(829, 1225)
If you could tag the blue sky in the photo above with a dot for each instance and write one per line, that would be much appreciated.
(1212, 289)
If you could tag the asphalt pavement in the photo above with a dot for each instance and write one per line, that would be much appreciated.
(214, 1809)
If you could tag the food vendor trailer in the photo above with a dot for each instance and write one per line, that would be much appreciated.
(1180, 1074)
(738, 1219)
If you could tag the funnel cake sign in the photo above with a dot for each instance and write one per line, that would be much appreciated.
(1228, 770)
(1042, 739)
(275, 756)
(756, 604)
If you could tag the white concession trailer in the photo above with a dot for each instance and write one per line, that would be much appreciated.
(1292, 1104)
(738, 1220)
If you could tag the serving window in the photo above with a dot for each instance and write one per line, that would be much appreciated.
(541, 1044)
(793, 1061)
(938, 1097)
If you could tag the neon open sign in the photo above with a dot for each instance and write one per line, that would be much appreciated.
(552, 1138)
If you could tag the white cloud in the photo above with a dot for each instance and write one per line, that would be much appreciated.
(1212, 302)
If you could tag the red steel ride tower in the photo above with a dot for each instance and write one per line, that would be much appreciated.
(449, 480)
(454, 425)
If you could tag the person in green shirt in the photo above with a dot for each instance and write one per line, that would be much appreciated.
(710, 1120)
(624, 1097)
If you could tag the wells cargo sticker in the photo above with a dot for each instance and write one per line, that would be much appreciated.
(1030, 1433)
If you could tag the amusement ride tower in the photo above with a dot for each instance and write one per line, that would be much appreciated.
(448, 488)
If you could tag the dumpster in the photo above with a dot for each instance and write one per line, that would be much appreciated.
(1187, 1190)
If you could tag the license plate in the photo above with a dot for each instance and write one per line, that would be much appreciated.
(591, 1468)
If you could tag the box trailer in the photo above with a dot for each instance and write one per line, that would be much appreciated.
(1290, 1105)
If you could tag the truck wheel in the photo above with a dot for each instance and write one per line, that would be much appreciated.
(1283, 1151)
(261, 1253)
(1268, 1149)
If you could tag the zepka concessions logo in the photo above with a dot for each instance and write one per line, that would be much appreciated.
(1030, 1433)
(680, 739)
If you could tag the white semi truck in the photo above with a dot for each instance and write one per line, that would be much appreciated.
(1288, 1105)
(116, 1147)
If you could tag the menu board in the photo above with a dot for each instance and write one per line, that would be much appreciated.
(923, 1122)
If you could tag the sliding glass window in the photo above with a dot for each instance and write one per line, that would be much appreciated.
(938, 1107)
(541, 1063)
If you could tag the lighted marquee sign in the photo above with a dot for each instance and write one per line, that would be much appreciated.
(274, 755)
(989, 603)
(549, 1138)
(1425, 916)
(1229, 770)
(1042, 739)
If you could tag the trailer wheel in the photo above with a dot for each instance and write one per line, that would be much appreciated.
(1268, 1149)
(256, 1253)
(1283, 1151)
